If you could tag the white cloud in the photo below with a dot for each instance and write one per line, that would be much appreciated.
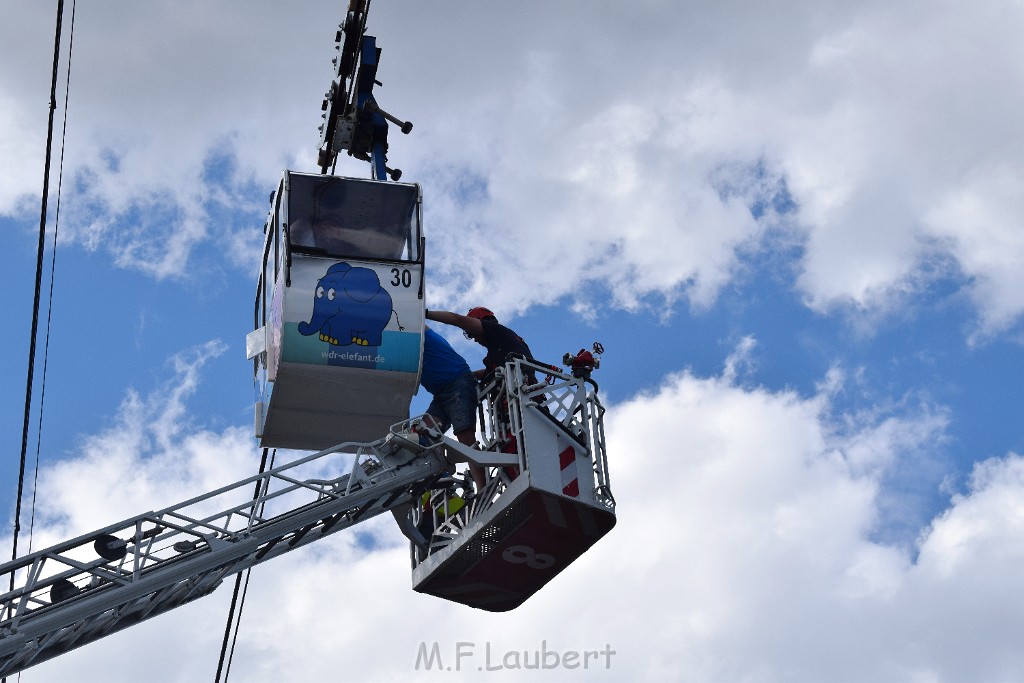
(148, 118)
(743, 551)
(569, 152)
(911, 106)
(741, 359)
(981, 220)
(874, 116)
(149, 458)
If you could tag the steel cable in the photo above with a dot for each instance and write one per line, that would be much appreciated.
(53, 270)
(224, 655)
(38, 287)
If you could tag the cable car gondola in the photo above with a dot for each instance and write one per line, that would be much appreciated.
(337, 339)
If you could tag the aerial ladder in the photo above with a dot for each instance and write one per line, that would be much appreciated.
(547, 500)
(102, 582)
(547, 497)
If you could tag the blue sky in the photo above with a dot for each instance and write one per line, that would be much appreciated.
(796, 232)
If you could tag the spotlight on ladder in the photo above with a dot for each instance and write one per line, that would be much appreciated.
(62, 589)
(110, 547)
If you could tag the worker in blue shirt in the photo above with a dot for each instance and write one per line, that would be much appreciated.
(446, 375)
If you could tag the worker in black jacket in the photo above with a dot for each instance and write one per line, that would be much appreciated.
(481, 325)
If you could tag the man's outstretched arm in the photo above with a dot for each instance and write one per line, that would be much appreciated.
(470, 325)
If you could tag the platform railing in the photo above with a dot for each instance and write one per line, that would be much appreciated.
(571, 403)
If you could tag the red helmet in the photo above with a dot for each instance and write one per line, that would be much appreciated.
(480, 313)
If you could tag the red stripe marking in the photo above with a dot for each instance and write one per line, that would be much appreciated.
(567, 457)
(567, 460)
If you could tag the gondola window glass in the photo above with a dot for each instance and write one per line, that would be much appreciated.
(347, 217)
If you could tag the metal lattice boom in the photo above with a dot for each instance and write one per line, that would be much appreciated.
(83, 589)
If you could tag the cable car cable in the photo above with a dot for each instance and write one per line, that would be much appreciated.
(227, 628)
(38, 286)
(53, 270)
(235, 594)
(238, 623)
(238, 588)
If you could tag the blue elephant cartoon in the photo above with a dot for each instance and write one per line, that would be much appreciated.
(350, 307)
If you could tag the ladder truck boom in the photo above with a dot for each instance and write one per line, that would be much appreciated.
(547, 500)
(83, 589)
